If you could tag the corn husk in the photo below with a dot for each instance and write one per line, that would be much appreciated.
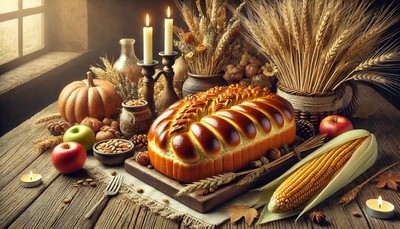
(361, 160)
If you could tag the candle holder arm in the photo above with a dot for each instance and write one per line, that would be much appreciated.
(150, 77)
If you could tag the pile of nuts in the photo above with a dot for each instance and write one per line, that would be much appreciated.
(108, 131)
(139, 140)
(114, 146)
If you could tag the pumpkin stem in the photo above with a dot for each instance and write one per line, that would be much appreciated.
(90, 79)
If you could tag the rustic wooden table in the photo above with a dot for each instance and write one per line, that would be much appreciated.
(43, 207)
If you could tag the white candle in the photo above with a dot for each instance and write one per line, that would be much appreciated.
(31, 180)
(169, 26)
(147, 42)
(379, 208)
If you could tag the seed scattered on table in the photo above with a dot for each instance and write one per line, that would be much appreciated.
(356, 214)
(165, 200)
(85, 182)
(150, 166)
(113, 173)
(67, 201)
(139, 190)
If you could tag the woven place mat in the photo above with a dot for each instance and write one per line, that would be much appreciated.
(174, 210)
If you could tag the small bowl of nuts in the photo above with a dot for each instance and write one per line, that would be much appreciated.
(113, 151)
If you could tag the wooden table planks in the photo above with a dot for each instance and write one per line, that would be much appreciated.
(43, 207)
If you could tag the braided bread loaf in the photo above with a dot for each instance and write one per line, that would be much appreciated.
(220, 130)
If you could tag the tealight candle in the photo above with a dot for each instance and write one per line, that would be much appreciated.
(379, 208)
(31, 180)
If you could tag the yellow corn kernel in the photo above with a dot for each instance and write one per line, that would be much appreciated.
(304, 183)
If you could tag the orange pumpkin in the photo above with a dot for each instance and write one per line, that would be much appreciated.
(94, 98)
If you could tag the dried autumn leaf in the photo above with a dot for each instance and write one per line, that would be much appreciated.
(239, 211)
(388, 179)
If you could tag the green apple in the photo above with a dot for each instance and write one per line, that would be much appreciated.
(82, 134)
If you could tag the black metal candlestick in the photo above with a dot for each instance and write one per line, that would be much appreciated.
(148, 71)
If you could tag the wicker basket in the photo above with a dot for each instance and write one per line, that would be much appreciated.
(316, 106)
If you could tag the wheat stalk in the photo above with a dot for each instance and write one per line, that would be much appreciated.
(336, 46)
(373, 62)
(125, 88)
(47, 142)
(218, 180)
(304, 23)
(47, 118)
(318, 45)
(352, 193)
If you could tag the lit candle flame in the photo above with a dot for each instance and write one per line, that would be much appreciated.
(380, 201)
(147, 20)
(168, 12)
(31, 175)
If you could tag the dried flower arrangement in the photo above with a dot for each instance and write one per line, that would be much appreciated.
(211, 37)
(319, 45)
(125, 88)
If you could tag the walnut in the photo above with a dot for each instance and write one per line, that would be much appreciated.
(93, 123)
(233, 73)
(58, 128)
(107, 121)
(254, 60)
(251, 70)
(115, 125)
(245, 59)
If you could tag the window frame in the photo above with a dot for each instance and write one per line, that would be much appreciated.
(19, 14)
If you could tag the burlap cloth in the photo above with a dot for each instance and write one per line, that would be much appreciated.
(174, 210)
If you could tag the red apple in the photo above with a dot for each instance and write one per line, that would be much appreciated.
(82, 134)
(68, 157)
(334, 125)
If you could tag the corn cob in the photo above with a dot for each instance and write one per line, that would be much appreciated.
(305, 183)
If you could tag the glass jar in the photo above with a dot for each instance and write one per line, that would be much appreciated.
(126, 64)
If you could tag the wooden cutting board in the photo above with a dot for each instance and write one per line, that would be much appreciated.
(197, 201)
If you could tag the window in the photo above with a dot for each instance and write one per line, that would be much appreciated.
(22, 32)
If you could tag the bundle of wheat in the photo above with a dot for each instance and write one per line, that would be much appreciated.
(319, 45)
